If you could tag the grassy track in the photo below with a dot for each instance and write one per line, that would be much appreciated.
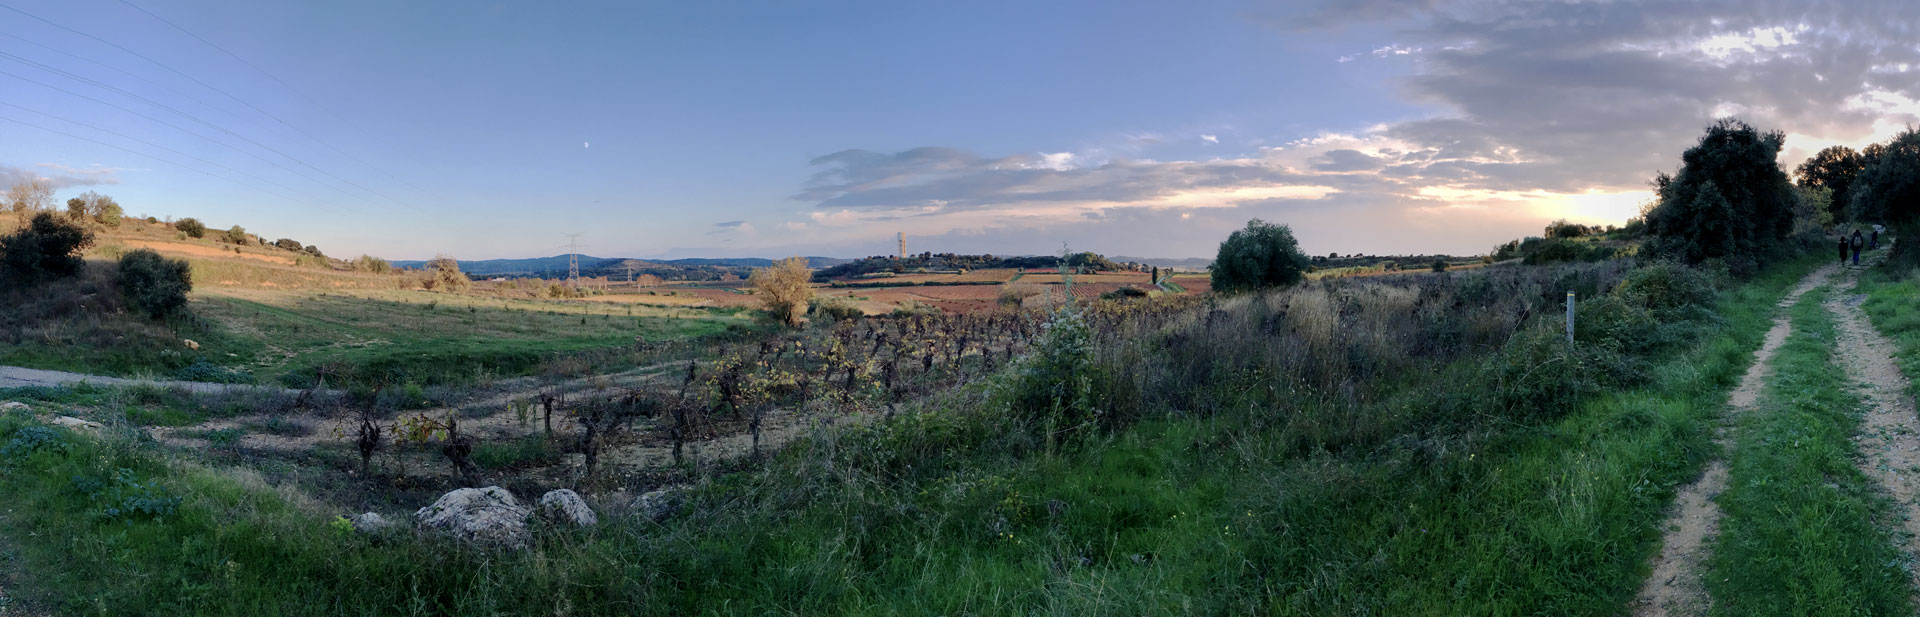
(1804, 532)
(1171, 516)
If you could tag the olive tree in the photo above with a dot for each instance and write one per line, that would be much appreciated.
(1260, 256)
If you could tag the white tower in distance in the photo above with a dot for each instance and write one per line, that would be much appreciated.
(903, 245)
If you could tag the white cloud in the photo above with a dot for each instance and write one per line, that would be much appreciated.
(1212, 139)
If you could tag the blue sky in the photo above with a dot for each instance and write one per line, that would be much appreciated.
(482, 130)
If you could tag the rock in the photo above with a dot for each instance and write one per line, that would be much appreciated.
(566, 506)
(190, 343)
(77, 424)
(661, 504)
(483, 516)
(370, 523)
(12, 405)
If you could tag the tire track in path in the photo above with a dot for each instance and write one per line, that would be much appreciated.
(1675, 587)
(1889, 438)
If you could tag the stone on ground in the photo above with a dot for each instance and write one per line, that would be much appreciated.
(482, 516)
(77, 424)
(564, 505)
(661, 504)
(370, 522)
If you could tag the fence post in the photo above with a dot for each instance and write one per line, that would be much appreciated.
(1569, 317)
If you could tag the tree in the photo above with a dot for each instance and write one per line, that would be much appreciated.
(153, 284)
(784, 288)
(236, 235)
(1439, 265)
(77, 209)
(289, 244)
(192, 227)
(48, 248)
(443, 274)
(1730, 199)
(1833, 168)
(30, 197)
(1260, 256)
(109, 213)
(1563, 229)
(1888, 189)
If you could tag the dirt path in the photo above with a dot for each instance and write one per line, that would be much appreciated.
(1889, 439)
(19, 377)
(1675, 586)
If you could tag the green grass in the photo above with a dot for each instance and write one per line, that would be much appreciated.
(428, 337)
(1804, 531)
(951, 512)
(1893, 305)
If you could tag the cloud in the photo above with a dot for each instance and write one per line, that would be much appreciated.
(1212, 139)
(59, 176)
(729, 224)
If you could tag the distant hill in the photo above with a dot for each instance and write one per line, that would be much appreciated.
(1167, 262)
(600, 266)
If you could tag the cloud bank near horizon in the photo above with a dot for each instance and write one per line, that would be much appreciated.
(1536, 111)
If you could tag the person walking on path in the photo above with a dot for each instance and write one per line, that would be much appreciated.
(1843, 249)
(1873, 241)
(1857, 243)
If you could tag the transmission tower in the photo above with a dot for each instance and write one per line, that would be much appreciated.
(573, 259)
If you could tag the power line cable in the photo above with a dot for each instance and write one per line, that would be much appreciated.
(171, 125)
(137, 153)
(176, 72)
(155, 145)
(283, 83)
(191, 117)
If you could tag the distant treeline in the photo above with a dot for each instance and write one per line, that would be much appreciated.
(951, 261)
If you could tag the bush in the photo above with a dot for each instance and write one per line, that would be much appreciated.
(1558, 250)
(1053, 386)
(1665, 286)
(202, 370)
(834, 309)
(443, 274)
(153, 284)
(783, 287)
(369, 263)
(192, 227)
(289, 244)
(110, 214)
(1439, 265)
(236, 235)
(1260, 256)
(48, 248)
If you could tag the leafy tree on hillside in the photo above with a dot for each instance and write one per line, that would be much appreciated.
(376, 265)
(77, 209)
(783, 287)
(192, 227)
(1260, 256)
(1888, 189)
(1833, 168)
(153, 284)
(1563, 229)
(289, 244)
(1091, 262)
(1730, 198)
(109, 213)
(48, 248)
(236, 235)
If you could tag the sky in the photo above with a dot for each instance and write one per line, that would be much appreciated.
(731, 129)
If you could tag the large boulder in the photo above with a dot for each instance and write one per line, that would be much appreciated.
(566, 506)
(14, 406)
(483, 516)
(661, 504)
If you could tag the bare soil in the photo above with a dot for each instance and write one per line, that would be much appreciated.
(1675, 586)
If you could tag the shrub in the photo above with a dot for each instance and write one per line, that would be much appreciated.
(1558, 250)
(834, 309)
(236, 235)
(192, 227)
(48, 248)
(202, 370)
(1439, 265)
(289, 244)
(77, 209)
(153, 284)
(1053, 385)
(110, 214)
(1665, 285)
(369, 263)
(1260, 256)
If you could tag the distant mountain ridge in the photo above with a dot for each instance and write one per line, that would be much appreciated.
(536, 266)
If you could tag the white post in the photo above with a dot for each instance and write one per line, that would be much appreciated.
(1569, 317)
